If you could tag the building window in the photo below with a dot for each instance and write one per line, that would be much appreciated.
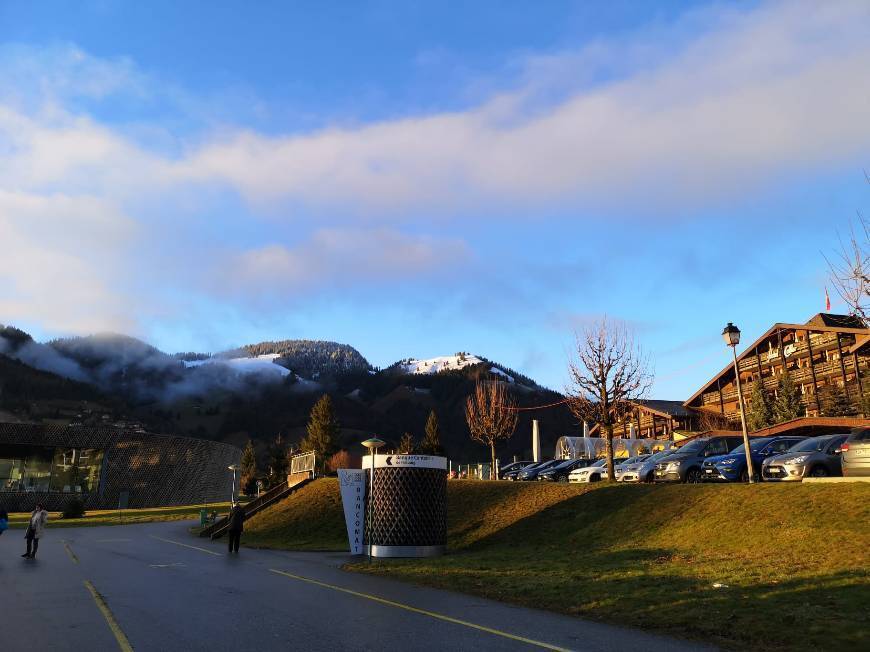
(38, 468)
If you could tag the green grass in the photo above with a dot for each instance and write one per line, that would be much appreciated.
(126, 517)
(311, 518)
(794, 557)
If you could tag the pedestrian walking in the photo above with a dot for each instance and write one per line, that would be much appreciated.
(35, 528)
(4, 520)
(236, 525)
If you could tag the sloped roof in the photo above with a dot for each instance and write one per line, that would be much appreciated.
(836, 321)
(664, 408)
(814, 324)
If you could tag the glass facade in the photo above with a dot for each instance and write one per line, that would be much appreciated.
(41, 468)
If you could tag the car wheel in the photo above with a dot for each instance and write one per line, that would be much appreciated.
(744, 477)
(819, 472)
(649, 477)
(693, 476)
(564, 478)
(594, 478)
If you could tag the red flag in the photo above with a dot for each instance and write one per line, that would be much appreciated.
(827, 301)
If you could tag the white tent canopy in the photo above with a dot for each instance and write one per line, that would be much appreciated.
(591, 447)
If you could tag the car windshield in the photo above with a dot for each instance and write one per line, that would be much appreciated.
(657, 456)
(694, 447)
(860, 435)
(601, 462)
(813, 444)
(755, 445)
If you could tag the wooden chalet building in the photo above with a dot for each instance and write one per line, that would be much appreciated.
(653, 419)
(828, 351)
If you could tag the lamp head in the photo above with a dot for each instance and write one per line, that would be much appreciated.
(233, 467)
(374, 443)
(731, 335)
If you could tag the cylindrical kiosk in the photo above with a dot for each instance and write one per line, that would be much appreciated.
(408, 505)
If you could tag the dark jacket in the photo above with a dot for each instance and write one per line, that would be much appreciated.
(236, 519)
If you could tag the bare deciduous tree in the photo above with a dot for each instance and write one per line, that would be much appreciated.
(491, 415)
(849, 268)
(608, 372)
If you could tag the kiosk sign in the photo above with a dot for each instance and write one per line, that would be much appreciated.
(405, 461)
(353, 498)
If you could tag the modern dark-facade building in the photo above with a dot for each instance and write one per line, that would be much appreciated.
(108, 468)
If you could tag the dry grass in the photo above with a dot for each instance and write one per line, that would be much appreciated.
(793, 558)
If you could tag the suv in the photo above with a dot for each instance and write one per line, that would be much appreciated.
(856, 453)
(684, 464)
(732, 467)
(817, 457)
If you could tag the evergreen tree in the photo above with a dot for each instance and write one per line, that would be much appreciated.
(278, 457)
(432, 440)
(787, 405)
(836, 403)
(249, 469)
(322, 430)
(406, 445)
(760, 413)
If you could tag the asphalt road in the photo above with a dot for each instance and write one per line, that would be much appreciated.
(154, 587)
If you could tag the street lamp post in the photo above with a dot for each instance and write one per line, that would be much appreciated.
(373, 445)
(233, 468)
(731, 335)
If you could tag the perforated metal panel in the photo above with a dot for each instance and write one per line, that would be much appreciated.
(409, 508)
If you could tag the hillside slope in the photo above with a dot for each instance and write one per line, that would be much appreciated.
(791, 562)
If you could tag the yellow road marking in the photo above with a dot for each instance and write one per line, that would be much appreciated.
(185, 545)
(123, 643)
(71, 554)
(431, 614)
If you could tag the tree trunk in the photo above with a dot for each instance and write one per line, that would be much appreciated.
(493, 472)
(608, 440)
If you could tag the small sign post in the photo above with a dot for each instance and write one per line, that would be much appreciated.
(353, 495)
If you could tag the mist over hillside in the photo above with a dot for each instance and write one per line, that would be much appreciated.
(258, 390)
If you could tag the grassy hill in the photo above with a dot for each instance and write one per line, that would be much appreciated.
(792, 560)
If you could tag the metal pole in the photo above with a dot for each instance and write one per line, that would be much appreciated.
(371, 501)
(749, 470)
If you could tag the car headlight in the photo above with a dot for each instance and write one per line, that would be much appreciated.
(672, 466)
(800, 459)
(729, 461)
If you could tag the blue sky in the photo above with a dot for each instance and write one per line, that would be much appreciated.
(417, 179)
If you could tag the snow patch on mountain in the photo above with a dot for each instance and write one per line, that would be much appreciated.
(439, 364)
(261, 364)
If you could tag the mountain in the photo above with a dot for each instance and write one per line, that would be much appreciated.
(259, 390)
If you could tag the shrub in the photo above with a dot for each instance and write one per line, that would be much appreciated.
(74, 508)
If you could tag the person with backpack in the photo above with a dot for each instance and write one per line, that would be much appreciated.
(35, 529)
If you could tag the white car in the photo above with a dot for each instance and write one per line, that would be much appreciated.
(589, 473)
(627, 466)
(642, 471)
(598, 471)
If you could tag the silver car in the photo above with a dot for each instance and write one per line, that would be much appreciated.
(855, 453)
(817, 457)
(643, 471)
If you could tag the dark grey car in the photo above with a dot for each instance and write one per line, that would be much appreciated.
(817, 457)
(684, 464)
(855, 453)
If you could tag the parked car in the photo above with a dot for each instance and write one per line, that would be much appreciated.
(531, 472)
(732, 467)
(591, 473)
(855, 453)
(513, 466)
(817, 457)
(512, 474)
(623, 466)
(643, 471)
(559, 473)
(684, 465)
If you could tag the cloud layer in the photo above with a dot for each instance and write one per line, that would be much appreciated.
(739, 100)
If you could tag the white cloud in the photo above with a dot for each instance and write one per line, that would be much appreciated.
(61, 259)
(337, 257)
(766, 93)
